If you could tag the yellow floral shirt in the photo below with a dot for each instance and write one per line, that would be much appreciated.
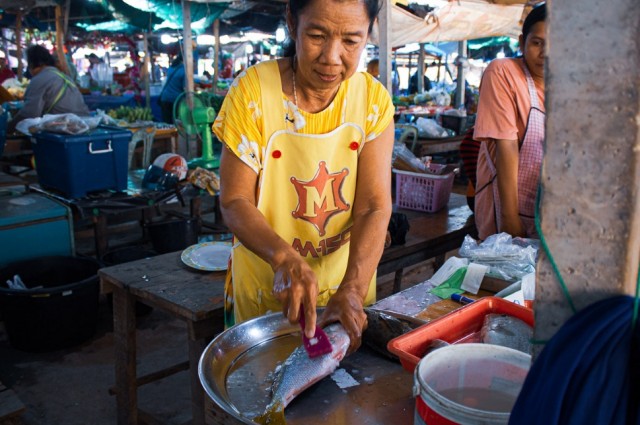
(239, 123)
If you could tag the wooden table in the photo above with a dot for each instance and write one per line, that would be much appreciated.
(425, 146)
(165, 283)
(431, 235)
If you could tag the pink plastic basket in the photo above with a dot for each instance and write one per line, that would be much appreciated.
(424, 192)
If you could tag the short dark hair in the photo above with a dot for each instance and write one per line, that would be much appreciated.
(297, 6)
(537, 14)
(38, 56)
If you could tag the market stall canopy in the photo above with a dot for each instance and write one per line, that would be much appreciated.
(456, 20)
(120, 15)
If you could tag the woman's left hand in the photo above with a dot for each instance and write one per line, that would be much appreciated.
(345, 306)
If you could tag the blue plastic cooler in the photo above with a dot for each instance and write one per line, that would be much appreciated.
(77, 165)
(32, 226)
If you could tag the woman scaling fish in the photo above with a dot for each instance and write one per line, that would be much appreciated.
(305, 178)
(306, 181)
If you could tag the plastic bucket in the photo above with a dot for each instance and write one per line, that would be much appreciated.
(173, 234)
(58, 309)
(468, 384)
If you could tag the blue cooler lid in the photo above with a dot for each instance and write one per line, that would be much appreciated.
(99, 133)
(29, 207)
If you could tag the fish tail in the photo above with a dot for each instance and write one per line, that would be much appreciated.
(274, 416)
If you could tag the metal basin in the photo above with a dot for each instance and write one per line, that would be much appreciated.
(236, 371)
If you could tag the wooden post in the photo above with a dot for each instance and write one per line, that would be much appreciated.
(384, 36)
(187, 46)
(420, 68)
(590, 208)
(62, 60)
(147, 69)
(19, 43)
(460, 90)
(216, 54)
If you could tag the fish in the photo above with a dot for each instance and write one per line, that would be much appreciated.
(508, 331)
(382, 327)
(299, 372)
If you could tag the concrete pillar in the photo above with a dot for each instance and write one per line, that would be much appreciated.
(384, 34)
(591, 173)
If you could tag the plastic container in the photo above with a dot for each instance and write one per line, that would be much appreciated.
(460, 326)
(32, 226)
(173, 234)
(60, 307)
(77, 165)
(454, 122)
(469, 384)
(424, 192)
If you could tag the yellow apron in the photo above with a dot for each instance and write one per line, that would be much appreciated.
(307, 186)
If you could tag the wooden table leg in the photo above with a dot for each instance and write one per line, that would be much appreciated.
(200, 334)
(100, 233)
(397, 280)
(124, 330)
(438, 261)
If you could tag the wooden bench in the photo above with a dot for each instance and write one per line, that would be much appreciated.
(10, 405)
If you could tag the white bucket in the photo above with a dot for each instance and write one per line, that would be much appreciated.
(468, 384)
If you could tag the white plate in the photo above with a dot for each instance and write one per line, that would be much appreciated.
(209, 256)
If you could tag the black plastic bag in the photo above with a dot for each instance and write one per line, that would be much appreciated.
(398, 228)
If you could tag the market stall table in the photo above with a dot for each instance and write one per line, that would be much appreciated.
(426, 146)
(98, 206)
(431, 235)
(165, 283)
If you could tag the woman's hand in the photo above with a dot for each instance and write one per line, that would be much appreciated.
(346, 307)
(295, 284)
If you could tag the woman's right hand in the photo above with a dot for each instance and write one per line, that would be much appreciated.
(295, 284)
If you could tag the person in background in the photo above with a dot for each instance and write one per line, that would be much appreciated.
(94, 61)
(373, 67)
(49, 91)
(173, 86)
(5, 71)
(413, 82)
(510, 125)
(305, 176)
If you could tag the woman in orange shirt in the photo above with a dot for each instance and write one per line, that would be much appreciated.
(510, 123)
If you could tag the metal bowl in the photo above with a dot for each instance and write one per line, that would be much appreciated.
(236, 370)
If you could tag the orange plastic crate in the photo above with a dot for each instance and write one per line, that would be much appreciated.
(459, 326)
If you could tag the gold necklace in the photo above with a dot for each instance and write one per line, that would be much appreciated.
(293, 68)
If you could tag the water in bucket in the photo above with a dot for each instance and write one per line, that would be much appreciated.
(469, 384)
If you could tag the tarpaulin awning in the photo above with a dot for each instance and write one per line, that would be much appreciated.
(454, 21)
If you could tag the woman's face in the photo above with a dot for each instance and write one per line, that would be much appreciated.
(330, 37)
(534, 49)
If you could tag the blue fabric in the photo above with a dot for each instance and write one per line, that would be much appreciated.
(174, 85)
(106, 103)
(588, 373)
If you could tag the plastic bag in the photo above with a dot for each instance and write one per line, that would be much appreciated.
(404, 159)
(508, 258)
(60, 123)
(429, 128)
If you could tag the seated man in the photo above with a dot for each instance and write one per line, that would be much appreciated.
(49, 92)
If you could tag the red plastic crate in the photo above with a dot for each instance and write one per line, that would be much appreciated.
(459, 326)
